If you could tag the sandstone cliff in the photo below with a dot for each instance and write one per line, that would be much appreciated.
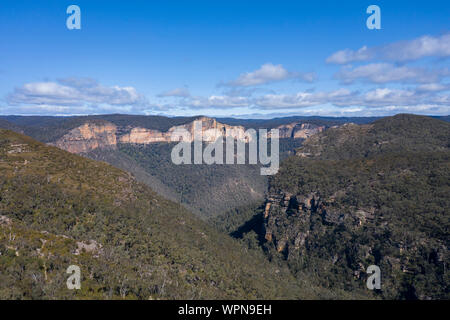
(303, 213)
(87, 137)
(211, 131)
(299, 130)
(93, 135)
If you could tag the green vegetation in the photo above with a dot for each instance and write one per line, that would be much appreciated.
(207, 190)
(146, 247)
(203, 189)
(374, 194)
(352, 196)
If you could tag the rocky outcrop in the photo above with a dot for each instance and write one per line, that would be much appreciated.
(4, 220)
(93, 135)
(211, 131)
(144, 136)
(18, 148)
(87, 137)
(299, 130)
(91, 246)
(311, 230)
(289, 219)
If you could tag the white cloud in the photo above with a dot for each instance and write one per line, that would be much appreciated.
(269, 73)
(386, 72)
(82, 93)
(387, 97)
(402, 51)
(433, 87)
(427, 98)
(346, 56)
(222, 101)
(426, 46)
(301, 99)
(375, 98)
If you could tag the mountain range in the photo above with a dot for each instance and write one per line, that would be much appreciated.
(351, 192)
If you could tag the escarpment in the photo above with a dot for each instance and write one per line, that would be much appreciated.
(299, 130)
(87, 137)
(299, 215)
(94, 135)
(211, 131)
(356, 196)
(338, 242)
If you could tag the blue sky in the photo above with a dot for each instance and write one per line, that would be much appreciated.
(225, 58)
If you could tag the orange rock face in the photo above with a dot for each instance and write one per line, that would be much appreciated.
(267, 210)
(144, 136)
(87, 137)
(91, 136)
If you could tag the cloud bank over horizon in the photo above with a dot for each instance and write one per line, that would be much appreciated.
(400, 51)
(394, 78)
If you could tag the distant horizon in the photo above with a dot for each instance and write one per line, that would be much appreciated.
(220, 117)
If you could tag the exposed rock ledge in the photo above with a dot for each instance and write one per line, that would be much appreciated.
(90, 135)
